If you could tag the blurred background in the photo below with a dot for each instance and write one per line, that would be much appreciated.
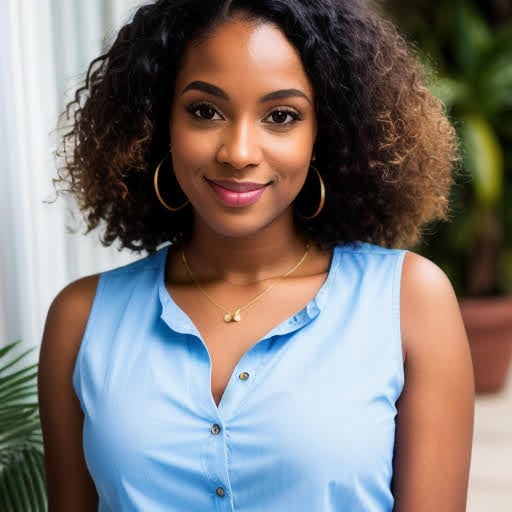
(465, 47)
(46, 48)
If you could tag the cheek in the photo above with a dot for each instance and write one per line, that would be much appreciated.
(294, 150)
(190, 151)
(291, 160)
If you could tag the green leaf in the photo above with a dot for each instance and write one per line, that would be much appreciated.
(9, 364)
(473, 36)
(483, 158)
(5, 350)
(22, 480)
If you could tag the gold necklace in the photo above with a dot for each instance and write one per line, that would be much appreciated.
(236, 316)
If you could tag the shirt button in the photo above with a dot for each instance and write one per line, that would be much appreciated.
(220, 492)
(215, 430)
(243, 376)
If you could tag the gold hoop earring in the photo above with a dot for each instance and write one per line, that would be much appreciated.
(157, 191)
(321, 204)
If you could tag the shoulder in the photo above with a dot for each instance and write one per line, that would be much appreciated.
(421, 272)
(430, 315)
(77, 295)
(436, 348)
(72, 306)
(424, 284)
(69, 312)
(374, 265)
(68, 315)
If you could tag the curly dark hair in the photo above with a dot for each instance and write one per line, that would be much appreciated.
(385, 148)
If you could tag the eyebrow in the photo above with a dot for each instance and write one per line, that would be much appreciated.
(205, 87)
(208, 88)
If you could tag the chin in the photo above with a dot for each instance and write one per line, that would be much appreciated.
(243, 226)
(235, 231)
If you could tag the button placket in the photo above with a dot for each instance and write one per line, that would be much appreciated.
(215, 463)
(244, 379)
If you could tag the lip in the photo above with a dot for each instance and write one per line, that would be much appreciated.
(237, 193)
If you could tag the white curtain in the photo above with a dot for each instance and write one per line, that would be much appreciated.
(46, 46)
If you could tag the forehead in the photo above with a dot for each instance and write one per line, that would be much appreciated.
(245, 55)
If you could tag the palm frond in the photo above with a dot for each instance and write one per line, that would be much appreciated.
(22, 483)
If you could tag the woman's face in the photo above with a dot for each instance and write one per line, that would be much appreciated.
(242, 127)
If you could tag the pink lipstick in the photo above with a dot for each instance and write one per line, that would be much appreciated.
(237, 194)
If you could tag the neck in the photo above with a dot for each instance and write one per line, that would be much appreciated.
(263, 255)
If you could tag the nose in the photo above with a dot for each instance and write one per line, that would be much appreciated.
(240, 146)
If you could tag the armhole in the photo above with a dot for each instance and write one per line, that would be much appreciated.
(396, 298)
(76, 378)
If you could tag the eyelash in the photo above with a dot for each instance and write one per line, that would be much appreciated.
(292, 113)
(295, 116)
(192, 109)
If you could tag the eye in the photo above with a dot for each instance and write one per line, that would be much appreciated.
(283, 116)
(204, 111)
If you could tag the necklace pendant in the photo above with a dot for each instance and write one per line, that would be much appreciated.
(236, 316)
(232, 317)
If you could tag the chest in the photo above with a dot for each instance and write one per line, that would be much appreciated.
(309, 426)
(227, 342)
(309, 422)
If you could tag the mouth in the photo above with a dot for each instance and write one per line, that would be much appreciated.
(237, 193)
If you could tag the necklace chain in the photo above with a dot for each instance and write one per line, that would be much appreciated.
(236, 316)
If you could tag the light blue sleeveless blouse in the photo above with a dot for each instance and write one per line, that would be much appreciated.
(306, 423)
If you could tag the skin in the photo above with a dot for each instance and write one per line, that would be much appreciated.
(234, 131)
(250, 137)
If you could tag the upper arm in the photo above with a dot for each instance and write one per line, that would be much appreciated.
(435, 410)
(69, 484)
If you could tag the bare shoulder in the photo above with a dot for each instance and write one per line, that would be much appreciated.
(63, 332)
(76, 298)
(70, 310)
(428, 306)
(64, 329)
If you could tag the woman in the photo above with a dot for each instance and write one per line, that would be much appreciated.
(278, 354)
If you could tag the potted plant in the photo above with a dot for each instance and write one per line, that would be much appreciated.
(468, 43)
(22, 483)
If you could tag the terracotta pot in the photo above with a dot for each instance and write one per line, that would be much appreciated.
(488, 323)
